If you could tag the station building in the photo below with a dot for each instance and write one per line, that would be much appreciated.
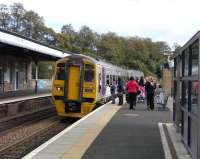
(17, 54)
(186, 113)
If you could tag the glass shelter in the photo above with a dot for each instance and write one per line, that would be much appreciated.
(186, 95)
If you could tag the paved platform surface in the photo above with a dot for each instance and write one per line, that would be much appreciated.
(130, 135)
(110, 132)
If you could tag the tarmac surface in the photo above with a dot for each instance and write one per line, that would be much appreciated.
(130, 135)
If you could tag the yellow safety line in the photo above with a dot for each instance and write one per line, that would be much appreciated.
(77, 150)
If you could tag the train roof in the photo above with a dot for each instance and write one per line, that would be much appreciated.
(107, 65)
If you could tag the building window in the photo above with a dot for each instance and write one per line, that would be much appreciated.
(195, 58)
(175, 88)
(184, 93)
(194, 96)
(175, 67)
(183, 64)
(182, 123)
(189, 132)
(186, 62)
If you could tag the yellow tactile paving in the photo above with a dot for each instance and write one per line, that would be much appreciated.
(77, 150)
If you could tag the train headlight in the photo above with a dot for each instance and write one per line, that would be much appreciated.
(59, 89)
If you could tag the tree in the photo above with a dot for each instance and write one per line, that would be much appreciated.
(86, 39)
(68, 32)
(33, 25)
(49, 36)
(63, 41)
(110, 48)
(17, 12)
(4, 16)
(68, 29)
(130, 52)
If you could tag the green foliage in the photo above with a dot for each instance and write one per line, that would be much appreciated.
(129, 52)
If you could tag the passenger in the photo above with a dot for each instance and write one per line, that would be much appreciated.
(120, 91)
(112, 91)
(132, 88)
(150, 87)
(137, 80)
(126, 92)
(141, 81)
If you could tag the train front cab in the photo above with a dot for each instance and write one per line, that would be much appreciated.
(74, 87)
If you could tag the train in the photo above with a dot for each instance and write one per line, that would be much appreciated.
(81, 82)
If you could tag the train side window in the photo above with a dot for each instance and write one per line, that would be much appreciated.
(60, 72)
(107, 80)
(89, 73)
(114, 79)
(111, 79)
(195, 58)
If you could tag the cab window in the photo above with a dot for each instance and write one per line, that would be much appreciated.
(89, 73)
(60, 72)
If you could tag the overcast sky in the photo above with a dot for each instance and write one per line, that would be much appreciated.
(173, 21)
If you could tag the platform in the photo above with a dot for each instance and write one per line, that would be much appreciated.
(26, 95)
(111, 132)
(21, 93)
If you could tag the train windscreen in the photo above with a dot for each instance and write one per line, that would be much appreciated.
(89, 73)
(60, 72)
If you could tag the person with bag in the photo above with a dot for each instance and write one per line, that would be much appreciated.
(150, 87)
(120, 91)
(133, 90)
(112, 92)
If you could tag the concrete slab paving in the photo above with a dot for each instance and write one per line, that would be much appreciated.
(130, 134)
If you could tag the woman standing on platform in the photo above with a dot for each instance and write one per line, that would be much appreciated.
(112, 92)
(132, 88)
(120, 91)
(150, 87)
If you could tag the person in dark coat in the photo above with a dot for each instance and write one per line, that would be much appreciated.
(141, 81)
(112, 91)
(150, 89)
(120, 91)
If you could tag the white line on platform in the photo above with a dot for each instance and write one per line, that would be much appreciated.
(40, 148)
(164, 142)
(176, 140)
(18, 99)
(131, 115)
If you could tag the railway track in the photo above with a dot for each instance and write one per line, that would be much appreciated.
(9, 123)
(16, 144)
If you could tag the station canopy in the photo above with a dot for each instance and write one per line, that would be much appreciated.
(17, 45)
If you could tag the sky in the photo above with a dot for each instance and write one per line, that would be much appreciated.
(173, 21)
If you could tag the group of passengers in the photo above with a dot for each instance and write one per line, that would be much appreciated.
(136, 90)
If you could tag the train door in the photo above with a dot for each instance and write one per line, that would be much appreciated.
(73, 82)
(103, 82)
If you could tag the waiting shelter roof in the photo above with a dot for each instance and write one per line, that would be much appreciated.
(14, 39)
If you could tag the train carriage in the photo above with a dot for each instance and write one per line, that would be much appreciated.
(80, 82)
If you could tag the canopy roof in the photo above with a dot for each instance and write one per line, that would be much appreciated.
(14, 39)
